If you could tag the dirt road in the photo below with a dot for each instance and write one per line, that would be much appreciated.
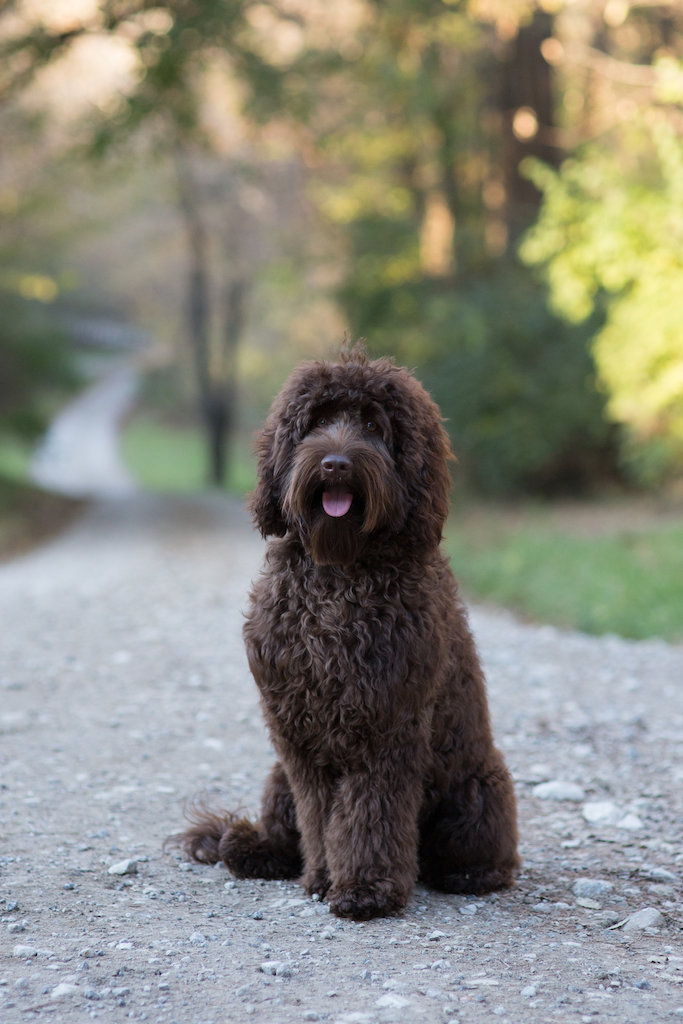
(124, 691)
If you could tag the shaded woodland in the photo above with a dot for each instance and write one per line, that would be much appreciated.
(492, 192)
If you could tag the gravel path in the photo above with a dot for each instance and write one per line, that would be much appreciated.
(124, 691)
(79, 454)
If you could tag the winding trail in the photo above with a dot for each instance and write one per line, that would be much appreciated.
(79, 455)
(124, 691)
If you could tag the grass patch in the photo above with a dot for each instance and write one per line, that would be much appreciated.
(15, 458)
(628, 581)
(172, 458)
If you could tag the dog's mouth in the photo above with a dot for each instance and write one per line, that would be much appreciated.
(337, 500)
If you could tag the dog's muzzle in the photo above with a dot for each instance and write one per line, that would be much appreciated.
(337, 497)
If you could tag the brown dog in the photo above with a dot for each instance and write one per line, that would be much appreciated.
(369, 677)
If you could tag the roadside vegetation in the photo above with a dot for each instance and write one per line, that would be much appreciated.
(29, 516)
(36, 374)
(600, 567)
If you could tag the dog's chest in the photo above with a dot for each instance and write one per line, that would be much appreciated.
(330, 654)
(329, 627)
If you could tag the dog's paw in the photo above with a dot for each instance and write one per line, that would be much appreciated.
(475, 882)
(316, 881)
(362, 902)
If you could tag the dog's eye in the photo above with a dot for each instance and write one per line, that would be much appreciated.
(321, 421)
(370, 426)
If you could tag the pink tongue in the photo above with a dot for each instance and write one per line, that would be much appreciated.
(337, 501)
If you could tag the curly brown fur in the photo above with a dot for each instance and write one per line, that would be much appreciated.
(369, 678)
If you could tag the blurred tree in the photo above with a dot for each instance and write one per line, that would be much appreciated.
(35, 353)
(215, 359)
(34, 363)
(611, 236)
(517, 384)
(173, 50)
(423, 130)
(440, 107)
(610, 233)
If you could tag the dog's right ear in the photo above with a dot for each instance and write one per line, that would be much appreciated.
(264, 502)
(286, 423)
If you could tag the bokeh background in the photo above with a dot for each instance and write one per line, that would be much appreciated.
(202, 192)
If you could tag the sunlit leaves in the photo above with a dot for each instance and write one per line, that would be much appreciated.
(611, 231)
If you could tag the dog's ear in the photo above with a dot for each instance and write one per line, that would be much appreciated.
(423, 452)
(264, 501)
(273, 448)
(286, 424)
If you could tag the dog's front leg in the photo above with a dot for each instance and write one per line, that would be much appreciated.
(312, 808)
(372, 837)
(312, 795)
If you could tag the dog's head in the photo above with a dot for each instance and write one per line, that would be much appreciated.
(352, 452)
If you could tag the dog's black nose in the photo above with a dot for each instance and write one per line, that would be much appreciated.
(335, 465)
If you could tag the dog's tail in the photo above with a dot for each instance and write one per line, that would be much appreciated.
(206, 827)
(245, 848)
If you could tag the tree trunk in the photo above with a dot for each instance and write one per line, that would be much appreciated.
(217, 419)
(236, 298)
(528, 110)
(198, 307)
(216, 372)
(211, 403)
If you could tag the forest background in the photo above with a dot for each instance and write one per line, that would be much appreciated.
(489, 190)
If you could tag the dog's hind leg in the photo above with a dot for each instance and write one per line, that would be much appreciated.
(468, 842)
(268, 848)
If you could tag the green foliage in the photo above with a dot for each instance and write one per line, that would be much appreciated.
(15, 457)
(35, 366)
(407, 118)
(517, 384)
(421, 155)
(514, 381)
(402, 125)
(611, 234)
(174, 45)
(629, 583)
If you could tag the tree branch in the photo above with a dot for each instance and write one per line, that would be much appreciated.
(641, 75)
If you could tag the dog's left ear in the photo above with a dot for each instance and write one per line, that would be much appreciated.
(423, 453)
